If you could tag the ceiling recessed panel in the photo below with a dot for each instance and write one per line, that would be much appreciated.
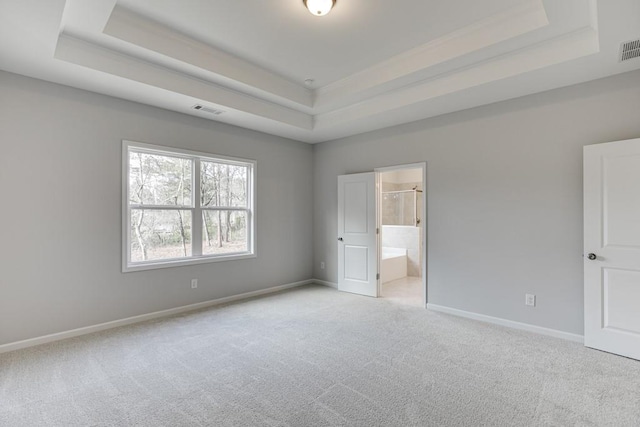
(374, 63)
(283, 37)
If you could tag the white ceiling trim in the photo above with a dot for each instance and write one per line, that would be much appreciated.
(139, 31)
(574, 45)
(577, 44)
(131, 27)
(86, 54)
(159, 56)
(511, 23)
(223, 81)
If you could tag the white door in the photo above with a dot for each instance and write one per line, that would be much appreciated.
(357, 238)
(612, 247)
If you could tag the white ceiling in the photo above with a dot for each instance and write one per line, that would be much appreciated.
(374, 63)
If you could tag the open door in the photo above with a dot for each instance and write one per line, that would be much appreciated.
(357, 238)
(612, 247)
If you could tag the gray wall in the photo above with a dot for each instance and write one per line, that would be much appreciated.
(60, 180)
(504, 194)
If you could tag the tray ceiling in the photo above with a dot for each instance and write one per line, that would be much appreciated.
(373, 63)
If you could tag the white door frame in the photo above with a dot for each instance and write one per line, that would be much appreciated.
(425, 246)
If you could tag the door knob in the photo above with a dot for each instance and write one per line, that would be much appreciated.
(340, 239)
(592, 256)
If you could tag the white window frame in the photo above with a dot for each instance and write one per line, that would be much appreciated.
(196, 210)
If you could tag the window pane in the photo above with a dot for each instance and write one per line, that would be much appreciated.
(223, 184)
(159, 180)
(160, 234)
(224, 232)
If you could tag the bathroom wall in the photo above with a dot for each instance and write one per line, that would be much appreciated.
(403, 236)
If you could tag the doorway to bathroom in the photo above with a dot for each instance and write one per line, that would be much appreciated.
(401, 201)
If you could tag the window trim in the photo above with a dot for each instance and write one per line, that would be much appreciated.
(195, 208)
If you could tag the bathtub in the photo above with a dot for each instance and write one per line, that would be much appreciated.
(393, 264)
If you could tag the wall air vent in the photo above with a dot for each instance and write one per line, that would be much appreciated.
(630, 50)
(208, 110)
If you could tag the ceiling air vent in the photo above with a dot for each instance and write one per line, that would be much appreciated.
(209, 110)
(630, 50)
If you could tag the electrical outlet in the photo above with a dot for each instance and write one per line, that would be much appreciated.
(322, 265)
(530, 299)
(194, 283)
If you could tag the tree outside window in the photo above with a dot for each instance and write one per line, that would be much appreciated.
(167, 223)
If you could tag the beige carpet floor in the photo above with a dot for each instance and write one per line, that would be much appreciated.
(313, 356)
(407, 291)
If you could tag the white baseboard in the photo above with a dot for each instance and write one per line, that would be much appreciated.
(143, 317)
(325, 283)
(508, 323)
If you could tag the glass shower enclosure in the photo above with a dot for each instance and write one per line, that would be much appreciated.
(401, 207)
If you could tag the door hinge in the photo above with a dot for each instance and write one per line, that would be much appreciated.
(377, 276)
(377, 231)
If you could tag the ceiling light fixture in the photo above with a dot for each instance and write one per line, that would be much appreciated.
(319, 7)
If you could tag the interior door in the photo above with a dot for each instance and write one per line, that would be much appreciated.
(357, 238)
(612, 247)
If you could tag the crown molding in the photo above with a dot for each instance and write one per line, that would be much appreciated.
(518, 20)
(133, 28)
(90, 55)
(567, 47)
(570, 46)
(231, 71)
(174, 71)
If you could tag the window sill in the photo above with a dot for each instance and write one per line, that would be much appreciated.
(154, 265)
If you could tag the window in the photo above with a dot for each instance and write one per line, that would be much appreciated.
(183, 207)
